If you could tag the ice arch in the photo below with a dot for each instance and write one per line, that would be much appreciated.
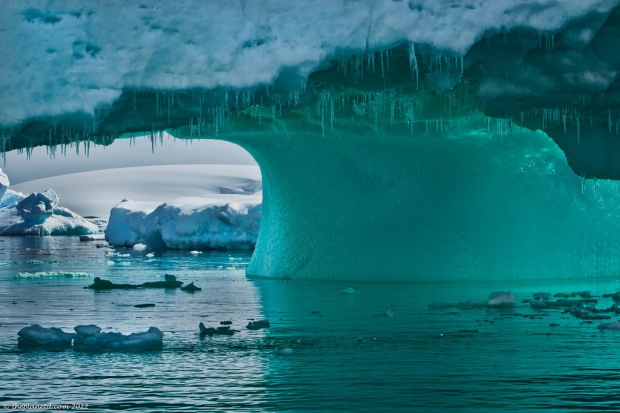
(433, 206)
(394, 137)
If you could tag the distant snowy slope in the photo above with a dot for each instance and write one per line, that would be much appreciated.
(95, 193)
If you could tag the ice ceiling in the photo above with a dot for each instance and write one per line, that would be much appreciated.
(346, 106)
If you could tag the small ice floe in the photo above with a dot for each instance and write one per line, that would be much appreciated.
(146, 305)
(215, 331)
(615, 325)
(139, 247)
(501, 299)
(90, 337)
(170, 281)
(587, 313)
(347, 291)
(287, 351)
(256, 325)
(191, 288)
(37, 336)
(542, 296)
(150, 255)
(538, 304)
(101, 284)
(195, 252)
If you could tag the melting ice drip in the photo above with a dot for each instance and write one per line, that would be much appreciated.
(394, 138)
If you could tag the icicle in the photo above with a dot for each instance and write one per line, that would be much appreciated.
(413, 63)
(382, 67)
(332, 113)
(564, 119)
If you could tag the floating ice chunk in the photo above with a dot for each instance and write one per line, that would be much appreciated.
(195, 252)
(501, 299)
(139, 247)
(347, 291)
(87, 331)
(36, 336)
(100, 284)
(191, 287)
(615, 325)
(540, 303)
(215, 331)
(170, 281)
(90, 338)
(150, 255)
(256, 325)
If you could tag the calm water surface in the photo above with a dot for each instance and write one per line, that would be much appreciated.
(380, 349)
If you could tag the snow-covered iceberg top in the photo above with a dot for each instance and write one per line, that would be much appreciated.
(37, 214)
(159, 45)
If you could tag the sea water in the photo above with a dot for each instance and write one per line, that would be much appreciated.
(332, 346)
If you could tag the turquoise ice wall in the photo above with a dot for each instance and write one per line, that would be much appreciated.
(466, 202)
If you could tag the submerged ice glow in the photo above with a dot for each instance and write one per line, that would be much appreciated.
(387, 132)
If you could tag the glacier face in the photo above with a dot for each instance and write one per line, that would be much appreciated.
(393, 136)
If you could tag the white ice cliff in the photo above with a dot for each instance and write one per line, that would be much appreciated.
(394, 137)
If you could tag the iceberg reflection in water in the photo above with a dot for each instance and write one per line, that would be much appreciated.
(378, 349)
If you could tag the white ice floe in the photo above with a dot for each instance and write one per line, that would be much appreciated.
(501, 299)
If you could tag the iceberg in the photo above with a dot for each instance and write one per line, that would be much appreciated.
(397, 140)
(200, 223)
(38, 214)
(227, 216)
